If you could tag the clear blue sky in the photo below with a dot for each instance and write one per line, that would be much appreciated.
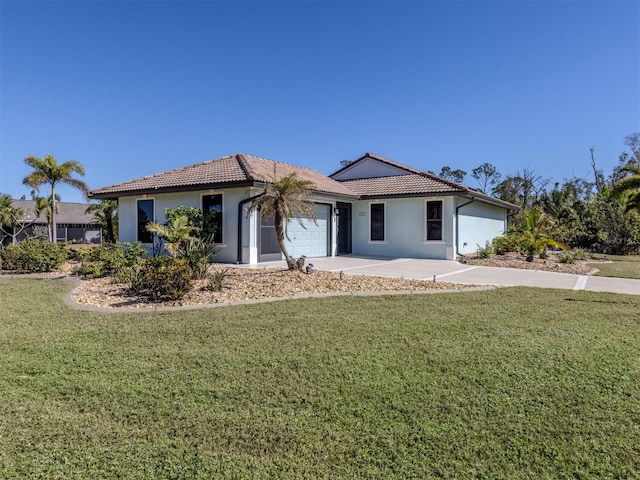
(134, 88)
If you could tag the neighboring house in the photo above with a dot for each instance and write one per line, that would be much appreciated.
(372, 206)
(73, 224)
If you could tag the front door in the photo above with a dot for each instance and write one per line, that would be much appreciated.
(344, 228)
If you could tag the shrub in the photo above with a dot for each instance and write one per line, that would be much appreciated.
(198, 253)
(34, 256)
(110, 259)
(162, 278)
(216, 279)
(505, 244)
(574, 256)
(9, 256)
(486, 251)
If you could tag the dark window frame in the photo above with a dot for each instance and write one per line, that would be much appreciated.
(434, 221)
(377, 226)
(142, 235)
(218, 208)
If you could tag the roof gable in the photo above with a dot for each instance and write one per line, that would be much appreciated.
(371, 166)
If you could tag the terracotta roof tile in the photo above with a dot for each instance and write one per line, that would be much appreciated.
(411, 184)
(234, 169)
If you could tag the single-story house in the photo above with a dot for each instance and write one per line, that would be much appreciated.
(372, 206)
(72, 223)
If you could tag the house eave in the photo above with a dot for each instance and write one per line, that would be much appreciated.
(173, 189)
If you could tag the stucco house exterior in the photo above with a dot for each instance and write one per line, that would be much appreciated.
(373, 206)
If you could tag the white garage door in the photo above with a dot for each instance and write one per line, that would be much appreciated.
(312, 241)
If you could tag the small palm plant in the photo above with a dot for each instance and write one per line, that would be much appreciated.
(534, 235)
(174, 233)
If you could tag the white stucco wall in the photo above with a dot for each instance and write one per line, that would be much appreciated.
(227, 250)
(479, 223)
(405, 229)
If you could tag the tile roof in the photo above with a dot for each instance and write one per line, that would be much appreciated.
(70, 213)
(414, 183)
(240, 169)
(235, 169)
(403, 185)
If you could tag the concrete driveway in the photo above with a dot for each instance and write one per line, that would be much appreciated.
(454, 272)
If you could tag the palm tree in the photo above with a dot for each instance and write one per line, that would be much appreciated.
(105, 214)
(285, 199)
(10, 218)
(631, 186)
(44, 205)
(534, 235)
(47, 170)
(175, 233)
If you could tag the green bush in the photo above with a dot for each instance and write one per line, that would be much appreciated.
(486, 251)
(216, 279)
(198, 253)
(574, 256)
(162, 278)
(34, 256)
(110, 259)
(505, 244)
(9, 256)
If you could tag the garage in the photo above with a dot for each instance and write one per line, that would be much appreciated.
(310, 239)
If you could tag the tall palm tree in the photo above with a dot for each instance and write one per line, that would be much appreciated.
(46, 170)
(44, 205)
(285, 199)
(630, 185)
(105, 214)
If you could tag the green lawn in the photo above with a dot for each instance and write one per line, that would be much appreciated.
(511, 383)
(622, 266)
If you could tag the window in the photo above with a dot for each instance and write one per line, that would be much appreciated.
(434, 220)
(377, 222)
(145, 215)
(212, 211)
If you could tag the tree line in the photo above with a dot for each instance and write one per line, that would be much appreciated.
(599, 214)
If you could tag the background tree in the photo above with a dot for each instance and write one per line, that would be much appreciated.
(629, 187)
(105, 214)
(47, 171)
(10, 217)
(285, 199)
(487, 177)
(453, 175)
(627, 159)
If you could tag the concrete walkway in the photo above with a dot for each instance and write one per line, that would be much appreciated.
(454, 272)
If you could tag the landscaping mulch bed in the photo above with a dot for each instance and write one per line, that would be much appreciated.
(251, 284)
(550, 264)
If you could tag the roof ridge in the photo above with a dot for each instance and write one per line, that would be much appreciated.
(244, 164)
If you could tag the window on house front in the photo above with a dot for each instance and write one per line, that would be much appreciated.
(212, 211)
(377, 222)
(434, 220)
(145, 215)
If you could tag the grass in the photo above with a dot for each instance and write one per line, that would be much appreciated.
(621, 266)
(511, 383)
